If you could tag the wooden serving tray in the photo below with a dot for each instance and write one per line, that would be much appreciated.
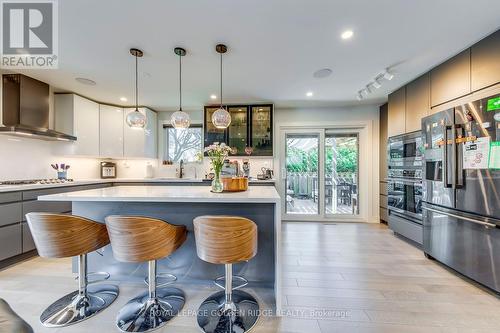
(235, 184)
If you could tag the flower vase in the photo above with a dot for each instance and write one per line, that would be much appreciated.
(217, 186)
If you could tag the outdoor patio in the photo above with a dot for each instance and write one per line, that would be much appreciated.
(307, 206)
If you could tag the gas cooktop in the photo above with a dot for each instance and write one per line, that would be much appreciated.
(35, 181)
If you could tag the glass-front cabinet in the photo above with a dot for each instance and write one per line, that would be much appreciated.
(238, 129)
(261, 130)
(211, 133)
(250, 132)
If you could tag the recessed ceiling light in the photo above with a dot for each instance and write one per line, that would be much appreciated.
(213, 96)
(309, 94)
(123, 99)
(322, 73)
(347, 34)
(88, 82)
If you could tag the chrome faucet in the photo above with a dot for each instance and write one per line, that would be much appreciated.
(180, 172)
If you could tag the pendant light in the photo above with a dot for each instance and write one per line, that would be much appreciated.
(180, 119)
(221, 118)
(136, 119)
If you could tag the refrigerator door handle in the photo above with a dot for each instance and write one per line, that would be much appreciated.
(445, 158)
(485, 224)
(459, 169)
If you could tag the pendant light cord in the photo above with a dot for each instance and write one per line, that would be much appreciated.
(180, 83)
(221, 80)
(136, 84)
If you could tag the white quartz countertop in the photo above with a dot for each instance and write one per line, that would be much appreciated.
(172, 193)
(13, 188)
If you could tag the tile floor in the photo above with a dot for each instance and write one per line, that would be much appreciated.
(337, 278)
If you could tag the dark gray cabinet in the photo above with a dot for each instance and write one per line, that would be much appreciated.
(485, 62)
(15, 235)
(451, 79)
(28, 243)
(10, 197)
(10, 213)
(396, 112)
(10, 241)
(418, 102)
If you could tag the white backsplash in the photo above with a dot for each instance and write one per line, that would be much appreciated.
(198, 170)
(23, 158)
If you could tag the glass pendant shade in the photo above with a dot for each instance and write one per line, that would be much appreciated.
(221, 118)
(180, 120)
(136, 119)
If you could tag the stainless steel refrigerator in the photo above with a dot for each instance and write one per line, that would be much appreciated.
(461, 189)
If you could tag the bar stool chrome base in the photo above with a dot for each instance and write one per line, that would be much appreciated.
(75, 307)
(215, 315)
(144, 314)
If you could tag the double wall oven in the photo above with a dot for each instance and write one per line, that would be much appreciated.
(404, 185)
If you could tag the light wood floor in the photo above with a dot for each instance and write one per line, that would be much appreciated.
(337, 277)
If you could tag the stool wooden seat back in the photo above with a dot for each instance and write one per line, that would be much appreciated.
(139, 239)
(61, 236)
(225, 239)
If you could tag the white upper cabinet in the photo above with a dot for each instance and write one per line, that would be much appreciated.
(78, 116)
(140, 142)
(111, 131)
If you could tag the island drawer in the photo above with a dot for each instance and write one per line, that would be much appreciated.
(10, 213)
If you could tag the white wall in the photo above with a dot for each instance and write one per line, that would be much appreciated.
(362, 116)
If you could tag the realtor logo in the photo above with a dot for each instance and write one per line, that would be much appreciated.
(29, 34)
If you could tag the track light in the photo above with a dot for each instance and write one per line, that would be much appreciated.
(359, 96)
(376, 84)
(388, 76)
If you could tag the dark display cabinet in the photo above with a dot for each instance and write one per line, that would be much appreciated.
(250, 132)
(261, 130)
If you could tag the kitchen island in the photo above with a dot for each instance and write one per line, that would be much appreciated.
(180, 205)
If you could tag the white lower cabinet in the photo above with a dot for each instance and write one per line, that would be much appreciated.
(140, 142)
(111, 131)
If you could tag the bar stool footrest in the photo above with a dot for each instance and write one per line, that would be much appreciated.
(167, 277)
(104, 276)
(219, 282)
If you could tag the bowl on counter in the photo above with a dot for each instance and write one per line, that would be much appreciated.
(234, 184)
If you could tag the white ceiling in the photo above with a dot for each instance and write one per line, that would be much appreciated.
(274, 47)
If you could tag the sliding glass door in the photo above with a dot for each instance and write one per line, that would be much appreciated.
(302, 162)
(341, 173)
(320, 173)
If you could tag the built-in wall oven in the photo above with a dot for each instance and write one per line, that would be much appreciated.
(404, 185)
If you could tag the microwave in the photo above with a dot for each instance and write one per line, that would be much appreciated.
(406, 149)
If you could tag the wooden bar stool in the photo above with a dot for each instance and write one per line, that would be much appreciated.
(227, 240)
(139, 239)
(62, 236)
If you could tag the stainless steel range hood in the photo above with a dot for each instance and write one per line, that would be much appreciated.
(25, 109)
